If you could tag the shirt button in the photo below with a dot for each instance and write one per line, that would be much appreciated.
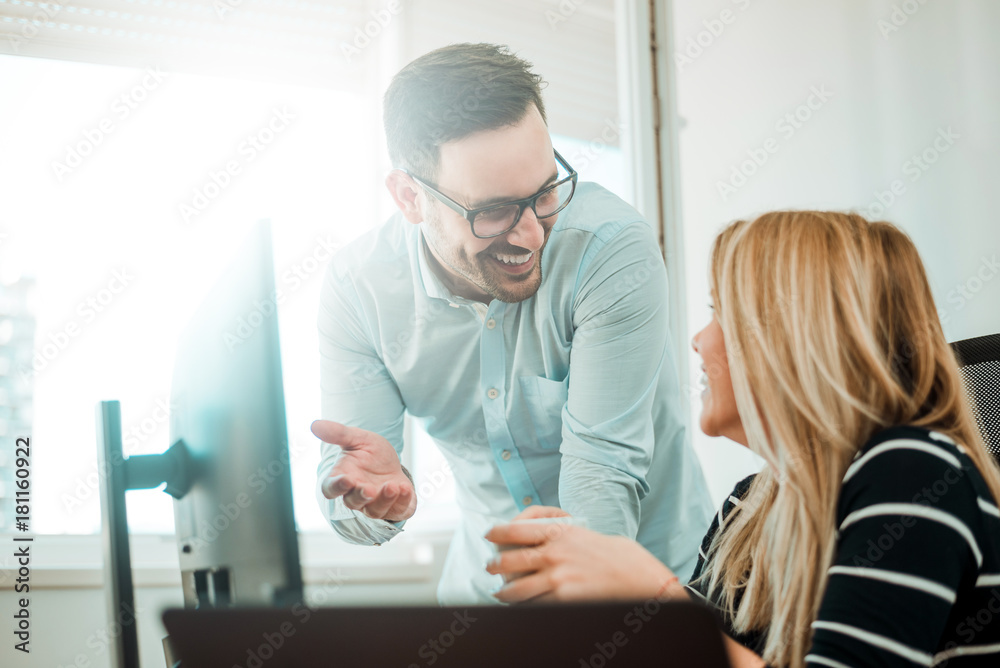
(491, 323)
(505, 455)
(527, 500)
(492, 393)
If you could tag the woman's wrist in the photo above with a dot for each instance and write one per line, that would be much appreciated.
(670, 588)
(740, 656)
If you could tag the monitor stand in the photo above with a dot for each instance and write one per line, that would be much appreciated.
(118, 474)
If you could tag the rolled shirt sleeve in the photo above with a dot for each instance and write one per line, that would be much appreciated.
(619, 346)
(356, 391)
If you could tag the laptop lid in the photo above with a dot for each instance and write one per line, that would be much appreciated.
(646, 633)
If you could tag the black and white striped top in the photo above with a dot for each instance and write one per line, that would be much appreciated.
(916, 575)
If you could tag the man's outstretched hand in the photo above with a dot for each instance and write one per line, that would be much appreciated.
(369, 475)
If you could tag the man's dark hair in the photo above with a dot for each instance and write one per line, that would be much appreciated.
(451, 93)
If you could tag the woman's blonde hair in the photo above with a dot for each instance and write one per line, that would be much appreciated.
(831, 335)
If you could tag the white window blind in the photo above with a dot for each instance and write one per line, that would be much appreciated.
(278, 40)
(571, 44)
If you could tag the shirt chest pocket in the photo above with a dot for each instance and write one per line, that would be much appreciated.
(544, 400)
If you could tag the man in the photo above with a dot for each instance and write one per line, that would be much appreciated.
(523, 317)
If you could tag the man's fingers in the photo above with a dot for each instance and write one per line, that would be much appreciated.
(405, 505)
(336, 485)
(383, 501)
(335, 433)
(358, 498)
(407, 498)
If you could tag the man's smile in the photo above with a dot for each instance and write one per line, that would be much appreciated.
(514, 264)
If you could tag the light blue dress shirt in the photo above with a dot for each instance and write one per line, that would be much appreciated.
(569, 398)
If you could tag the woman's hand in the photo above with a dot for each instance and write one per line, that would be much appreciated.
(536, 512)
(570, 563)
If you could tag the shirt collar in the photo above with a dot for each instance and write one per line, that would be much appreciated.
(433, 286)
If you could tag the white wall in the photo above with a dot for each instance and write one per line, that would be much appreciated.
(891, 95)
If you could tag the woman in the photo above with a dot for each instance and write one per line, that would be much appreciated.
(872, 534)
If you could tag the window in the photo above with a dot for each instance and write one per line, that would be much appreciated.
(105, 256)
(123, 243)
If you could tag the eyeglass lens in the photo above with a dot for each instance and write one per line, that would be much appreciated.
(499, 219)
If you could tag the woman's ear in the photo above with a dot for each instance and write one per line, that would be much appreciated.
(405, 192)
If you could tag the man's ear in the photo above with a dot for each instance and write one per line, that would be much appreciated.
(405, 193)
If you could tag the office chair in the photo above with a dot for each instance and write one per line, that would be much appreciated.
(979, 363)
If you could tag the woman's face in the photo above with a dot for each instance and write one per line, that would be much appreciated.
(719, 416)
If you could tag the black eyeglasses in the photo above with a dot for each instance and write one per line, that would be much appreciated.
(496, 219)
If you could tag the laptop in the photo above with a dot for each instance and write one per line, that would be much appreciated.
(592, 635)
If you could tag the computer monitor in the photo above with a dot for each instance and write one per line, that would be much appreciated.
(235, 527)
(228, 465)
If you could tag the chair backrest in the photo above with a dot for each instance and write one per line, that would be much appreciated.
(979, 363)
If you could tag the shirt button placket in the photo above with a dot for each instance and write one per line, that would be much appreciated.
(493, 372)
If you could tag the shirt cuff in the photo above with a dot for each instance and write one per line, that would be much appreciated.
(606, 498)
(353, 525)
(356, 527)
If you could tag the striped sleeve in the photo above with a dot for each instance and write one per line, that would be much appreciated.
(909, 522)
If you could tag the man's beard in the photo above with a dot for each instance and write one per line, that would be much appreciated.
(482, 272)
(503, 286)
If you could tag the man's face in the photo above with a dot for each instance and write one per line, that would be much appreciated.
(483, 169)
